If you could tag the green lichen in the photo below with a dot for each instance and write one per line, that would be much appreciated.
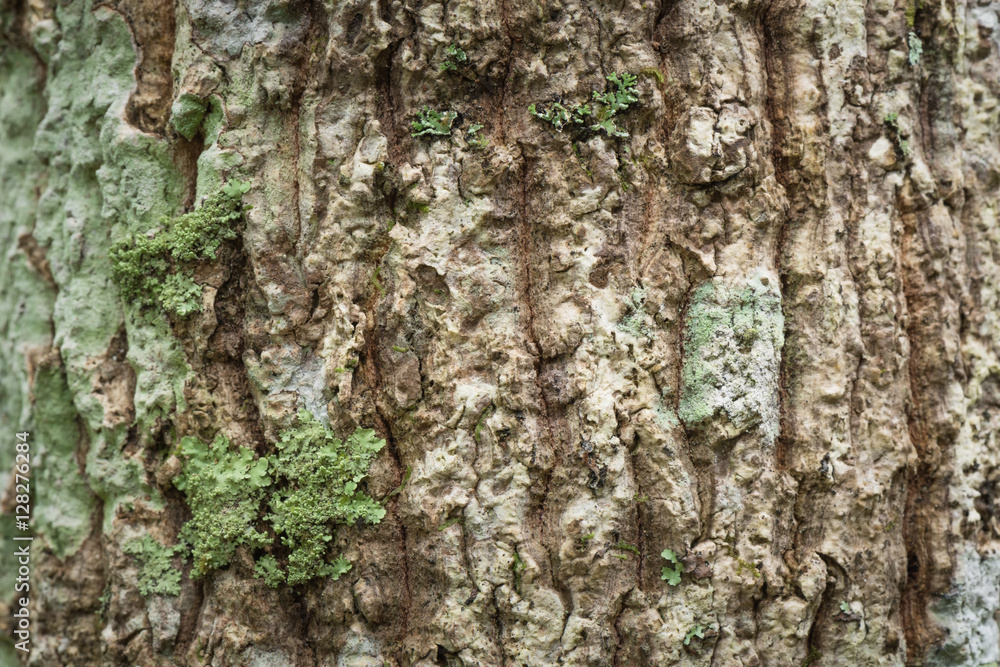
(157, 575)
(733, 336)
(187, 114)
(320, 475)
(310, 485)
(696, 631)
(474, 139)
(558, 115)
(916, 48)
(267, 568)
(433, 122)
(456, 57)
(156, 269)
(64, 504)
(671, 575)
(224, 488)
(891, 120)
(618, 99)
(101, 173)
(635, 321)
(600, 114)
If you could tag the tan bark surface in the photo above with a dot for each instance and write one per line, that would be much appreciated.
(762, 330)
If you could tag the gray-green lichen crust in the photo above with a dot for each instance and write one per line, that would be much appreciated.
(968, 612)
(733, 335)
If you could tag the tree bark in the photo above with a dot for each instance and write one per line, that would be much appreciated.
(753, 322)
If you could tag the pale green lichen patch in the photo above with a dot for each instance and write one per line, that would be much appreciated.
(157, 575)
(63, 501)
(100, 174)
(156, 268)
(733, 335)
(224, 489)
(597, 115)
(26, 300)
(311, 484)
(187, 113)
(321, 475)
(433, 122)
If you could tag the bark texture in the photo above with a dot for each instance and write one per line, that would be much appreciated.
(761, 331)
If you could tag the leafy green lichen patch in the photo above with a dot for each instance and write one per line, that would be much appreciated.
(310, 485)
(156, 268)
(671, 575)
(321, 475)
(157, 575)
(455, 57)
(733, 336)
(433, 122)
(602, 110)
(224, 488)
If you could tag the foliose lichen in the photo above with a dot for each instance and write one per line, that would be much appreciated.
(321, 475)
(157, 268)
(310, 485)
(456, 57)
(157, 575)
(224, 489)
(602, 111)
(433, 122)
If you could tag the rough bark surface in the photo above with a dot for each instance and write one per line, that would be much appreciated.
(762, 330)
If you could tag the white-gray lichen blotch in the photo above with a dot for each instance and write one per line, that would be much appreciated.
(733, 335)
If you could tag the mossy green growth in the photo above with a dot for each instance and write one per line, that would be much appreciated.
(321, 474)
(733, 335)
(309, 485)
(156, 269)
(157, 576)
(224, 488)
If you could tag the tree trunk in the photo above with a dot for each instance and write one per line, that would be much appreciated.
(706, 372)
